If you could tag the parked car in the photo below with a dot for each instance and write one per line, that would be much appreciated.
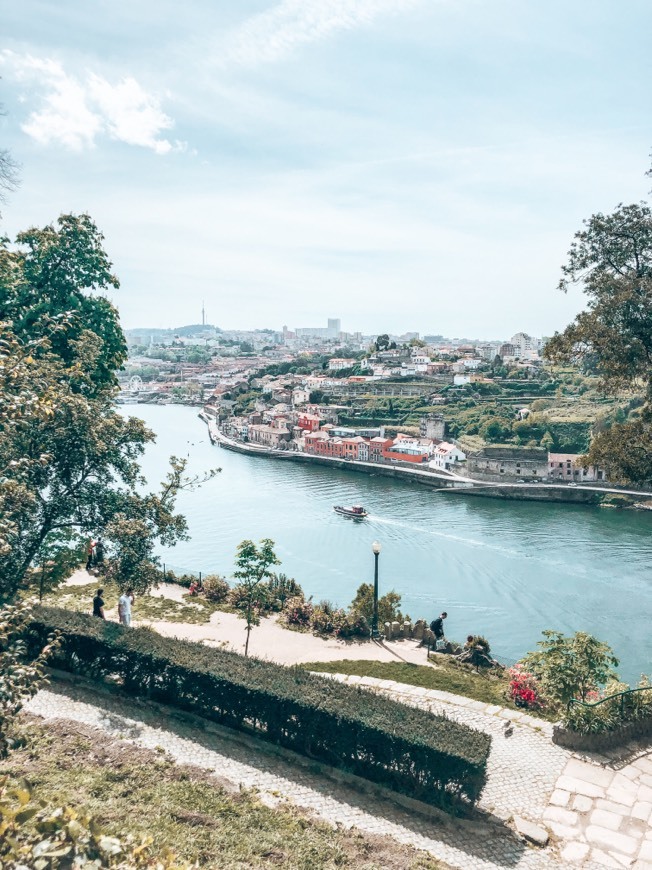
(570, 483)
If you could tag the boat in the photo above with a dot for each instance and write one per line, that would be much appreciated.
(357, 512)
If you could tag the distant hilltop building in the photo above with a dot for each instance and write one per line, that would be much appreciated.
(331, 331)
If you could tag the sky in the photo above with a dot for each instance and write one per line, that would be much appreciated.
(404, 165)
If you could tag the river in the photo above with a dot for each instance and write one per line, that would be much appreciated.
(504, 569)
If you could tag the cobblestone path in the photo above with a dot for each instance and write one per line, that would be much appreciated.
(460, 844)
(598, 808)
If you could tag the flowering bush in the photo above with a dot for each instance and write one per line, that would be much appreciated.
(322, 620)
(215, 588)
(297, 613)
(524, 688)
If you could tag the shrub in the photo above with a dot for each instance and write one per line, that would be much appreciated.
(524, 688)
(571, 667)
(322, 620)
(403, 748)
(216, 588)
(20, 673)
(35, 835)
(388, 605)
(297, 612)
(615, 710)
(281, 588)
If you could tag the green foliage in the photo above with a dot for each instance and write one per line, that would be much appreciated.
(297, 612)
(20, 674)
(48, 838)
(615, 708)
(571, 667)
(68, 461)
(281, 588)
(216, 588)
(252, 570)
(493, 430)
(388, 605)
(612, 259)
(51, 274)
(404, 748)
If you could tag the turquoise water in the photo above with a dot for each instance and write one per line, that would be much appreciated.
(505, 569)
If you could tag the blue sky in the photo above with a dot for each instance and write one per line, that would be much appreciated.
(400, 164)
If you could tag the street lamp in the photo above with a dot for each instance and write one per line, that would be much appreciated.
(375, 634)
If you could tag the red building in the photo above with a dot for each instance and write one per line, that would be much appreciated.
(308, 422)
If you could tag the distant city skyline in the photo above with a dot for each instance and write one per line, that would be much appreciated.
(396, 161)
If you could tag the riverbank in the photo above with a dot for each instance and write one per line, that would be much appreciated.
(542, 492)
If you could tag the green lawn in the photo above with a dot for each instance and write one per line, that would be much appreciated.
(134, 792)
(447, 676)
(150, 607)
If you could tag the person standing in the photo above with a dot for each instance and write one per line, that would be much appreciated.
(91, 554)
(437, 626)
(99, 552)
(98, 604)
(124, 607)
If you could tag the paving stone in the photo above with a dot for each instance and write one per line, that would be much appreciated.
(582, 804)
(612, 807)
(588, 772)
(560, 798)
(642, 810)
(533, 833)
(557, 814)
(611, 839)
(646, 851)
(578, 786)
(644, 793)
(620, 796)
(603, 859)
(622, 782)
(574, 852)
(621, 860)
(605, 819)
(563, 832)
(644, 764)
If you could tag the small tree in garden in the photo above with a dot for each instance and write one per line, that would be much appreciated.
(252, 570)
(571, 667)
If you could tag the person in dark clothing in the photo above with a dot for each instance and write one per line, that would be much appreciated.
(98, 604)
(91, 553)
(437, 626)
(99, 552)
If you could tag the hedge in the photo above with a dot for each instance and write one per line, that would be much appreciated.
(403, 748)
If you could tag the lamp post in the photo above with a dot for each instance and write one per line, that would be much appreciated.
(376, 548)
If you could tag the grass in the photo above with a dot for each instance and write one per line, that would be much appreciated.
(446, 676)
(130, 791)
(153, 608)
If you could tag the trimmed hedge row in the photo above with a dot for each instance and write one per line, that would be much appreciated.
(403, 748)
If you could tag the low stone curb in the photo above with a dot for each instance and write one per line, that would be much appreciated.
(376, 684)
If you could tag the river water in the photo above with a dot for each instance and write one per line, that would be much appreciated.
(505, 569)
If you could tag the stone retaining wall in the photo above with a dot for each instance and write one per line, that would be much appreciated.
(604, 740)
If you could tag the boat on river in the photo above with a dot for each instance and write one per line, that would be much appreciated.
(356, 512)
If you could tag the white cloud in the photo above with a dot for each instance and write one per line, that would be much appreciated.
(75, 112)
(272, 35)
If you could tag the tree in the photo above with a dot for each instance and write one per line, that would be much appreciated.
(492, 430)
(382, 342)
(571, 667)
(60, 272)
(612, 260)
(388, 605)
(252, 570)
(8, 170)
(68, 461)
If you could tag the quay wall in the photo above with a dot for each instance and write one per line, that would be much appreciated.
(536, 492)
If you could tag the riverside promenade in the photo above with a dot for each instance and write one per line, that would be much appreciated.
(448, 482)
